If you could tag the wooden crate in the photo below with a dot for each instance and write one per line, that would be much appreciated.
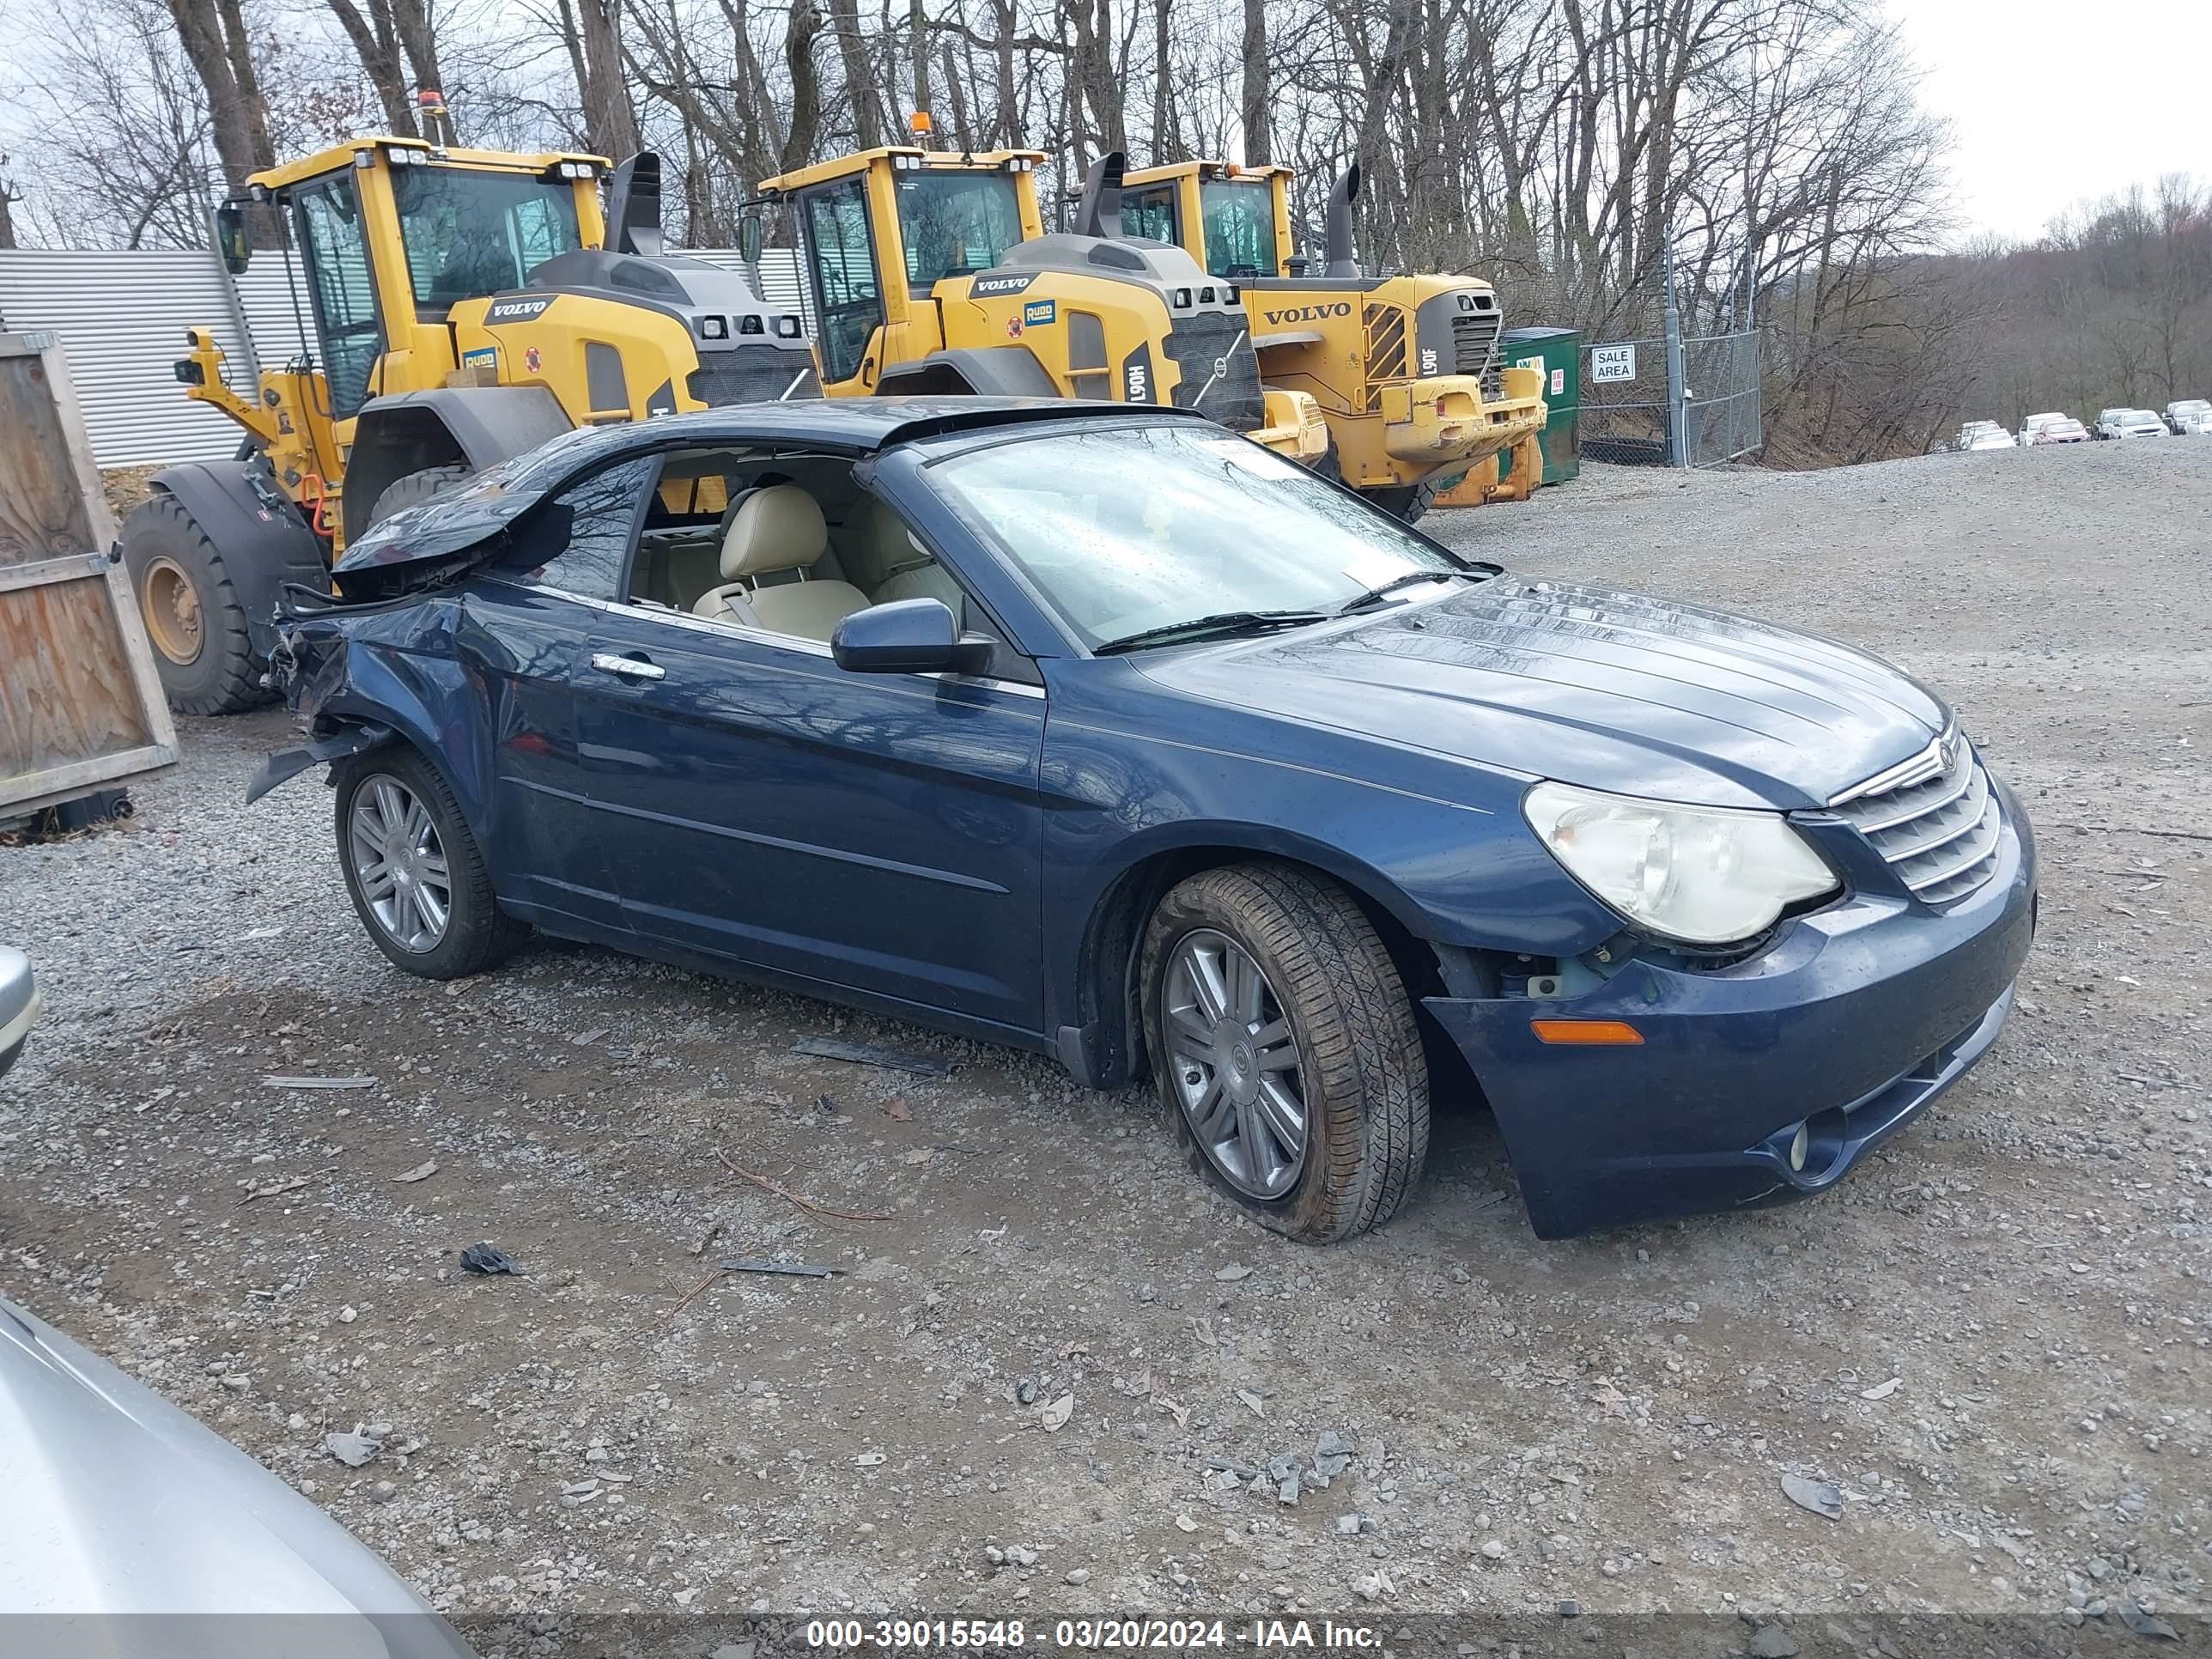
(81, 707)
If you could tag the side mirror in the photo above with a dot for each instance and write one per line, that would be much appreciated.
(233, 241)
(748, 238)
(908, 636)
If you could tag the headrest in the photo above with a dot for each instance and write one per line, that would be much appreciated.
(778, 528)
(879, 546)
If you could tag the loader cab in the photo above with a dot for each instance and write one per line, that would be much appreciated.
(392, 233)
(881, 229)
(1233, 220)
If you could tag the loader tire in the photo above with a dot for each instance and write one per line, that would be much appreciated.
(1408, 503)
(203, 650)
(414, 488)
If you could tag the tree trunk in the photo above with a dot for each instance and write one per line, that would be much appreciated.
(609, 119)
(235, 112)
(805, 128)
(1258, 97)
(859, 88)
(378, 48)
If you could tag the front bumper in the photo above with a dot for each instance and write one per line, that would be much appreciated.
(1849, 1023)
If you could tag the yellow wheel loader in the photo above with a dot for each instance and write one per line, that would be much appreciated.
(1405, 369)
(466, 305)
(932, 273)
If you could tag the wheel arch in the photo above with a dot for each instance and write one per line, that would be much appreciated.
(1008, 371)
(261, 537)
(476, 426)
(1104, 1044)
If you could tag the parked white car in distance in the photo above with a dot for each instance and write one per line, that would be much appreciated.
(1994, 438)
(2129, 424)
(2035, 424)
(2188, 418)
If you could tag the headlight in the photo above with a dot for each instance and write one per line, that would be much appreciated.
(1705, 874)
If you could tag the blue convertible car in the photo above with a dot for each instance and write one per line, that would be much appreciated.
(1103, 732)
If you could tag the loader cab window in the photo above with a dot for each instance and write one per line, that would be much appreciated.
(1239, 215)
(468, 234)
(335, 248)
(849, 296)
(1150, 212)
(954, 224)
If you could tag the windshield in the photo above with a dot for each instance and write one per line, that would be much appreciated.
(2191, 406)
(1123, 529)
(1240, 226)
(470, 233)
(955, 223)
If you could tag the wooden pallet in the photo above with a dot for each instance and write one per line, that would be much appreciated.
(81, 707)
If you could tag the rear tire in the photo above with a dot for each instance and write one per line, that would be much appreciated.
(203, 650)
(414, 488)
(416, 878)
(1328, 1027)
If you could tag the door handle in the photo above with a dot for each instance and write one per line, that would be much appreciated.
(630, 668)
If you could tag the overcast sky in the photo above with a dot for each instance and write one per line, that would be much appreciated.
(2052, 100)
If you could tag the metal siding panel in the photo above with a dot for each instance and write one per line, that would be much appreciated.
(122, 317)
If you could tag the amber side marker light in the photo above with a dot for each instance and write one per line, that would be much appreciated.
(1587, 1033)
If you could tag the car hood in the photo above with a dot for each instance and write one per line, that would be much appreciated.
(1587, 685)
(121, 1506)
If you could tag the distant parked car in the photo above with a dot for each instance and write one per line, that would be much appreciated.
(2066, 430)
(2186, 416)
(1973, 429)
(1996, 438)
(2129, 424)
(18, 1004)
(134, 1530)
(2035, 424)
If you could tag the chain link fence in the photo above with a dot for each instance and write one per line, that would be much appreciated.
(1721, 405)
(1627, 404)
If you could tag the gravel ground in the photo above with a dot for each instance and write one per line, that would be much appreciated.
(1502, 1424)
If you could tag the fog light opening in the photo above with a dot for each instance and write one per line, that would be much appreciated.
(1798, 1145)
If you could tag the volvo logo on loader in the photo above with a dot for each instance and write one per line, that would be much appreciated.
(1311, 313)
(517, 311)
(988, 285)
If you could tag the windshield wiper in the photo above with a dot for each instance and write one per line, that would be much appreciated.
(1222, 624)
(1375, 596)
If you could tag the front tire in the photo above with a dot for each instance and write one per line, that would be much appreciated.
(1283, 1044)
(203, 649)
(413, 869)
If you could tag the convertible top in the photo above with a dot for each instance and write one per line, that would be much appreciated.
(450, 523)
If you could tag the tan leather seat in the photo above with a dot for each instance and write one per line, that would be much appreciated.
(775, 530)
(890, 565)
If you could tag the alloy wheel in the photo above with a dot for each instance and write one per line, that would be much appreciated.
(400, 864)
(1237, 1071)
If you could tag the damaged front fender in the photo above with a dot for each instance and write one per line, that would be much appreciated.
(288, 763)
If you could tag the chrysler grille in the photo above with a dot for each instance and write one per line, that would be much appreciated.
(1938, 830)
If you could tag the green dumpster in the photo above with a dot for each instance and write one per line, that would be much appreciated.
(1558, 353)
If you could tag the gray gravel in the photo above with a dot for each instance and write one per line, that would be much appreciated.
(1463, 1417)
